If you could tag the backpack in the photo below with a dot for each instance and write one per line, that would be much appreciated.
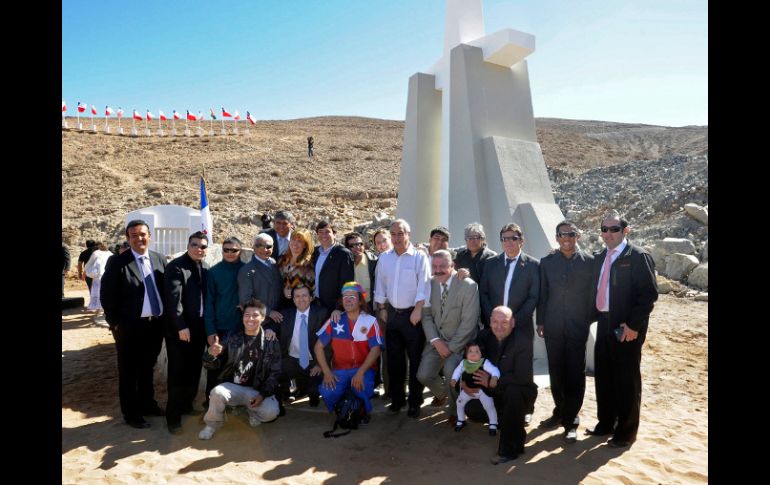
(349, 411)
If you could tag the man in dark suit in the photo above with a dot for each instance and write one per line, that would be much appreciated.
(333, 266)
(624, 291)
(260, 279)
(185, 333)
(133, 300)
(283, 224)
(297, 335)
(563, 318)
(512, 279)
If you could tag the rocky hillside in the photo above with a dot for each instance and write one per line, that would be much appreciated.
(647, 171)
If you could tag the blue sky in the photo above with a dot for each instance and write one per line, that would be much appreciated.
(637, 61)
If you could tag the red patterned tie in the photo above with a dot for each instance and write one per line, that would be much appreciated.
(601, 293)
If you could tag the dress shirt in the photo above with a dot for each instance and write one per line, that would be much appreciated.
(618, 249)
(322, 255)
(402, 280)
(294, 344)
(509, 277)
(145, 267)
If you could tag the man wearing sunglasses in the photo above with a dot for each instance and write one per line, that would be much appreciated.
(185, 286)
(623, 293)
(563, 319)
(260, 278)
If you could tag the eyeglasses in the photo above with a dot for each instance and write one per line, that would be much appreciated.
(567, 234)
(473, 238)
(266, 246)
(355, 245)
(196, 245)
(350, 297)
(251, 316)
(509, 238)
(611, 228)
(230, 250)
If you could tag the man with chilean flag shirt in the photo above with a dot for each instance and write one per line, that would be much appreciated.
(356, 346)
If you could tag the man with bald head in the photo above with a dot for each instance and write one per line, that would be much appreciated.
(260, 279)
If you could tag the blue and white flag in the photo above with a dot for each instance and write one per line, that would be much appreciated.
(206, 224)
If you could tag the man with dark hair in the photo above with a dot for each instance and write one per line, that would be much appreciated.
(624, 291)
(333, 266)
(475, 253)
(283, 225)
(185, 333)
(134, 302)
(563, 319)
(221, 314)
(83, 259)
(439, 239)
(365, 265)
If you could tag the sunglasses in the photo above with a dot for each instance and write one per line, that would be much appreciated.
(230, 250)
(509, 238)
(567, 234)
(355, 245)
(196, 245)
(611, 228)
(266, 246)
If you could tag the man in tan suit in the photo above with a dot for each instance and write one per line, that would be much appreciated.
(449, 321)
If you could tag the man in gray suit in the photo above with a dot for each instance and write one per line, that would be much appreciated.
(260, 279)
(512, 279)
(449, 320)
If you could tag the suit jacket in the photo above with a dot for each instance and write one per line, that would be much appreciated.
(316, 318)
(184, 287)
(338, 269)
(633, 290)
(564, 306)
(274, 235)
(522, 295)
(122, 291)
(458, 323)
(256, 280)
(513, 356)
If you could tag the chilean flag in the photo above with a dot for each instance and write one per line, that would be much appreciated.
(250, 118)
(120, 112)
(237, 115)
(213, 116)
(107, 111)
(200, 115)
(225, 114)
(177, 116)
(93, 109)
(206, 222)
(63, 106)
(81, 107)
(137, 116)
(191, 117)
(162, 115)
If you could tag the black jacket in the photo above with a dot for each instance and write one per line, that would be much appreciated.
(338, 269)
(184, 287)
(267, 361)
(522, 295)
(122, 291)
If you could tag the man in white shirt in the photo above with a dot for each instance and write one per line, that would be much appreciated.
(402, 286)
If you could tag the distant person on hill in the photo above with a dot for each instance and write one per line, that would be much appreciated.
(310, 146)
(83, 259)
(65, 256)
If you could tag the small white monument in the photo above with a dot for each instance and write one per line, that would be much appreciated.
(470, 147)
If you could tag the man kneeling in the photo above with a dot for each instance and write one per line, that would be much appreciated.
(356, 347)
(251, 366)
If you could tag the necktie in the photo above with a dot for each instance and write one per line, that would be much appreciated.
(601, 292)
(444, 293)
(152, 293)
(304, 353)
(507, 264)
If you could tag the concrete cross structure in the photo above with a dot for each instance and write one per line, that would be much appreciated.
(470, 147)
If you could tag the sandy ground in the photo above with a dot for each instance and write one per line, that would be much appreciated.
(672, 445)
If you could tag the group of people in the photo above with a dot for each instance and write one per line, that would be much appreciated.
(334, 317)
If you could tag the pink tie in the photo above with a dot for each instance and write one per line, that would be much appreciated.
(601, 293)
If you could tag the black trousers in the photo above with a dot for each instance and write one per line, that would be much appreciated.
(402, 340)
(89, 282)
(184, 371)
(566, 367)
(306, 383)
(511, 405)
(138, 344)
(618, 381)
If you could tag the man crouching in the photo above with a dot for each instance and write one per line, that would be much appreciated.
(252, 365)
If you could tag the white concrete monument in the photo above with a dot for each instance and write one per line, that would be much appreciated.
(470, 147)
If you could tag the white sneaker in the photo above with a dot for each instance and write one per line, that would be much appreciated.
(254, 421)
(527, 419)
(206, 433)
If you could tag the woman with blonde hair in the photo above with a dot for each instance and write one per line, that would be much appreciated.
(296, 266)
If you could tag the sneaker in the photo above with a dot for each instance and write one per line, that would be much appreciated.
(460, 425)
(492, 430)
(571, 436)
(206, 433)
(254, 421)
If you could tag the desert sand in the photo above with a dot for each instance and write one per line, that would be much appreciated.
(672, 445)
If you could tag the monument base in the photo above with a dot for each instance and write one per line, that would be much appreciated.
(107, 129)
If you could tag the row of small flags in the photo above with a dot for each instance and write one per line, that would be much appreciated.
(83, 107)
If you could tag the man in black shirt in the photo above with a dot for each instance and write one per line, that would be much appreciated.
(83, 259)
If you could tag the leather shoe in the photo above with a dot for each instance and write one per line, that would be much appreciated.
(175, 428)
(550, 423)
(497, 459)
(314, 400)
(437, 402)
(598, 431)
(154, 411)
(138, 423)
(413, 412)
(393, 409)
(616, 443)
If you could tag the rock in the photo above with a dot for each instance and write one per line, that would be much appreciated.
(679, 265)
(666, 285)
(705, 253)
(697, 212)
(699, 277)
(676, 245)
(702, 297)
